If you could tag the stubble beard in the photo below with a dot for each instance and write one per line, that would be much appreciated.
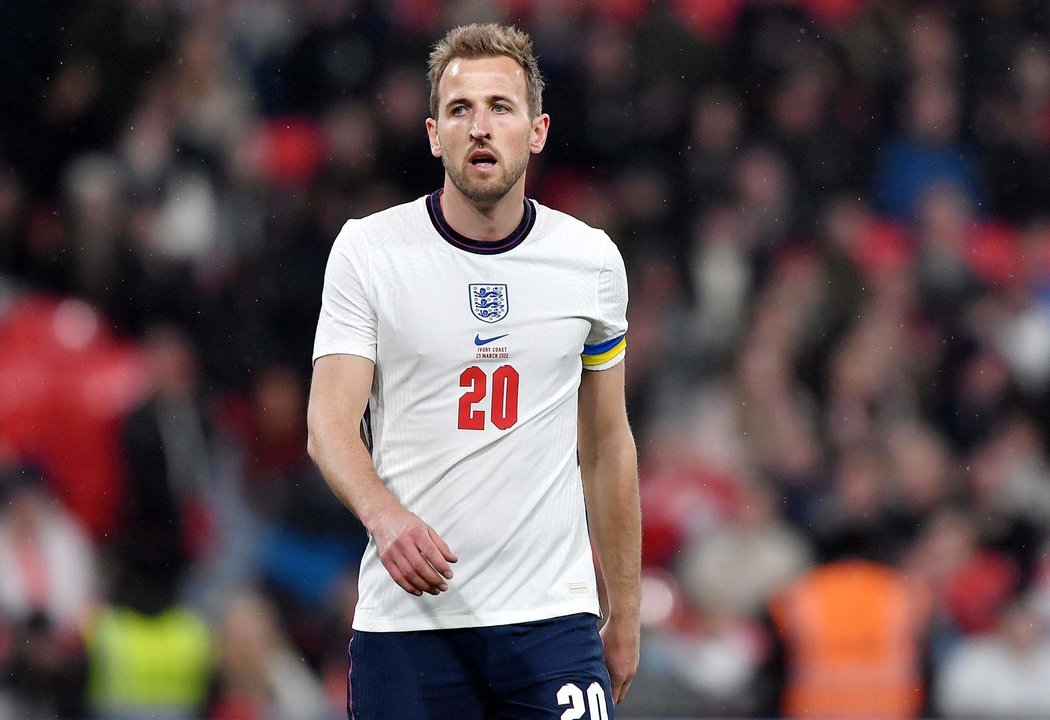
(485, 192)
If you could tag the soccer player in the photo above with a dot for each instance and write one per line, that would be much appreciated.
(468, 406)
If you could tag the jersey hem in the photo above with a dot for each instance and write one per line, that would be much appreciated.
(452, 622)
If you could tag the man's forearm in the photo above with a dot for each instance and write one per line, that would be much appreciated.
(347, 467)
(414, 555)
(611, 488)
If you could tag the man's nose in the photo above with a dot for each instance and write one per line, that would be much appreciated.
(480, 128)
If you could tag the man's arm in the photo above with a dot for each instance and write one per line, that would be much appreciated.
(609, 463)
(414, 555)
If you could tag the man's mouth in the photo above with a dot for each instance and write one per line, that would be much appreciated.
(482, 159)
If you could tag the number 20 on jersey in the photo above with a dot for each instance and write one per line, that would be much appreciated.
(485, 402)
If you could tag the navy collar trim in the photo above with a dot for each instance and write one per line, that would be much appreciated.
(479, 247)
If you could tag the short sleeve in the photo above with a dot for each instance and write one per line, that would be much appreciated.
(607, 341)
(347, 324)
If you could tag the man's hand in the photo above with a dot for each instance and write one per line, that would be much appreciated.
(622, 640)
(412, 552)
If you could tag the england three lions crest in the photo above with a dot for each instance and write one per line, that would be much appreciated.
(489, 302)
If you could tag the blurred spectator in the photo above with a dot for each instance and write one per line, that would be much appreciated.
(605, 79)
(404, 95)
(714, 142)
(721, 274)
(854, 522)
(980, 394)
(999, 675)
(945, 221)
(47, 589)
(848, 644)
(967, 586)
(148, 656)
(764, 190)
(271, 437)
(95, 191)
(928, 152)
(931, 44)
(1003, 506)
(212, 98)
(869, 383)
(1025, 343)
(734, 569)
(921, 481)
(1027, 468)
(779, 421)
(166, 449)
(44, 673)
(824, 154)
(260, 677)
(47, 563)
(1011, 120)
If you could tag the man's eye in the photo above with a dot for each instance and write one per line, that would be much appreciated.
(459, 110)
(500, 107)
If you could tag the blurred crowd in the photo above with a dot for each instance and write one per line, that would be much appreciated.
(836, 221)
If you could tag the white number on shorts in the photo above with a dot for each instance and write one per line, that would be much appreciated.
(573, 696)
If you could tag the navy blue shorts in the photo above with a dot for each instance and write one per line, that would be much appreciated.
(551, 669)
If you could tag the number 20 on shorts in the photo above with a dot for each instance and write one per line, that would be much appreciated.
(502, 401)
(594, 707)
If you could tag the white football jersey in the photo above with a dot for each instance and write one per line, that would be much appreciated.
(472, 419)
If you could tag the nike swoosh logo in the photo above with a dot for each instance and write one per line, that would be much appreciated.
(479, 342)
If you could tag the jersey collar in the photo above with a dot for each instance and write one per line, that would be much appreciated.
(480, 247)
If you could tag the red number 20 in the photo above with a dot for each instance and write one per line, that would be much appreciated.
(504, 401)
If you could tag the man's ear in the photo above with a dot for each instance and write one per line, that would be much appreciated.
(540, 126)
(432, 136)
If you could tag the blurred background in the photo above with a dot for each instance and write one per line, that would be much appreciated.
(836, 221)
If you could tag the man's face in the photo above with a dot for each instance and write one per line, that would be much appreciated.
(484, 133)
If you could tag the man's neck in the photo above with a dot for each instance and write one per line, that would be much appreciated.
(482, 222)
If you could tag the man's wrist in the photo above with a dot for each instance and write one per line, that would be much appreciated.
(372, 512)
(626, 613)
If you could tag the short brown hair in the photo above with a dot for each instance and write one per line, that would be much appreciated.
(487, 40)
